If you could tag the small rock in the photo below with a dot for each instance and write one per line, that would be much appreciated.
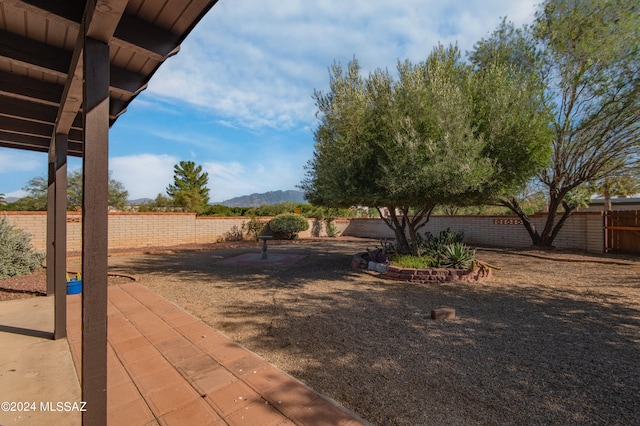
(443, 313)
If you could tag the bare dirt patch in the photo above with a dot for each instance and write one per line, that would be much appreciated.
(544, 341)
(35, 284)
(550, 339)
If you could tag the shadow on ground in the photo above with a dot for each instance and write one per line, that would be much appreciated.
(518, 353)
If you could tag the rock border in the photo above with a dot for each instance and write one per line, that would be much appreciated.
(425, 275)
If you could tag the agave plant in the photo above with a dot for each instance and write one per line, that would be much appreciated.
(433, 246)
(458, 255)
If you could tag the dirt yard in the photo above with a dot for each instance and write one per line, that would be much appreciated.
(552, 338)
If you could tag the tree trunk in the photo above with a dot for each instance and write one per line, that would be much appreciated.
(551, 228)
(515, 207)
(398, 227)
(406, 224)
(607, 199)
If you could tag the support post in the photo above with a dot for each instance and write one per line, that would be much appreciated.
(60, 237)
(94, 231)
(51, 221)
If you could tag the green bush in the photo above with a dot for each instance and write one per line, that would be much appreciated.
(458, 255)
(218, 210)
(410, 261)
(254, 227)
(433, 246)
(17, 256)
(288, 225)
(330, 227)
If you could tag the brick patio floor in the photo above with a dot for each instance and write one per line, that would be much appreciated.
(167, 367)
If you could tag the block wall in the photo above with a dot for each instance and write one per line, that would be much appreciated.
(212, 229)
(33, 223)
(583, 231)
(127, 230)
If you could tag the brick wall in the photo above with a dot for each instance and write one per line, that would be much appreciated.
(33, 223)
(583, 231)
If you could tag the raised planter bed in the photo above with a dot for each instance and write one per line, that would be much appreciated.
(426, 275)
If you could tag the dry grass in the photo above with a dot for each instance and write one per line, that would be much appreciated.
(543, 342)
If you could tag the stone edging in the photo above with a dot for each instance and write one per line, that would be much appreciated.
(426, 275)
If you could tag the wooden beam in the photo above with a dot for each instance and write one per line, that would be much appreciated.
(12, 140)
(75, 148)
(22, 87)
(26, 110)
(32, 111)
(33, 128)
(99, 23)
(136, 34)
(189, 17)
(95, 231)
(118, 107)
(131, 33)
(16, 125)
(34, 54)
(60, 237)
(67, 12)
(25, 147)
(127, 81)
(34, 143)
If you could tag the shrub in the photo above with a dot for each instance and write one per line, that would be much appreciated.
(288, 225)
(330, 227)
(234, 234)
(433, 246)
(254, 227)
(17, 256)
(458, 255)
(329, 215)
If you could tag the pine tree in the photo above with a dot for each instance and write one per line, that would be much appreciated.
(189, 189)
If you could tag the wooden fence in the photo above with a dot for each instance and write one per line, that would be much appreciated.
(622, 231)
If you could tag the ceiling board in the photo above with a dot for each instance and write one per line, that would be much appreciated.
(40, 66)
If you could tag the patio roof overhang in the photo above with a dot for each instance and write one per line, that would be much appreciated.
(68, 70)
(41, 45)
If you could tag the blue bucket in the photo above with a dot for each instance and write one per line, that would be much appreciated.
(74, 286)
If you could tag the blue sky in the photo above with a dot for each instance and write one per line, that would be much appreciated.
(237, 99)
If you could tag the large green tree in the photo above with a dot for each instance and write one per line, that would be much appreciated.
(118, 195)
(586, 54)
(38, 188)
(189, 189)
(433, 136)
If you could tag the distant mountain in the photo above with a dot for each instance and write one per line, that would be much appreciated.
(139, 201)
(11, 199)
(271, 197)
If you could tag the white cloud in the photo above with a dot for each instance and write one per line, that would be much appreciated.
(17, 167)
(229, 180)
(255, 64)
(251, 67)
(17, 194)
(143, 175)
(12, 161)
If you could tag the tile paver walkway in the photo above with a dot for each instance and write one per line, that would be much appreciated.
(167, 367)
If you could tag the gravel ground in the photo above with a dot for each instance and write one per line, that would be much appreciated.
(552, 339)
